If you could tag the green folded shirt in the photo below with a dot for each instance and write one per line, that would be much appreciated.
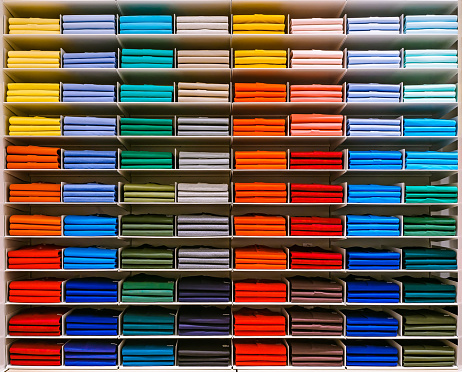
(148, 200)
(148, 187)
(431, 189)
(149, 315)
(146, 251)
(145, 281)
(146, 299)
(146, 155)
(147, 218)
(147, 121)
(145, 133)
(146, 127)
(147, 232)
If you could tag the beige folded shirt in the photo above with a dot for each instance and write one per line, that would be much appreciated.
(202, 93)
(203, 53)
(203, 86)
(203, 65)
(202, 99)
(202, 19)
(200, 26)
(203, 31)
(203, 60)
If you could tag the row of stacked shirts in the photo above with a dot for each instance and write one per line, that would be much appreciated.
(219, 193)
(144, 288)
(295, 125)
(37, 157)
(164, 58)
(202, 225)
(241, 24)
(254, 257)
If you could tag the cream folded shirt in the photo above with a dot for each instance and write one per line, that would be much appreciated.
(316, 54)
(203, 53)
(317, 21)
(203, 86)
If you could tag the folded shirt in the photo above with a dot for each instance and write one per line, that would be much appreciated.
(267, 192)
(146, 24)
(203, 58)
(146, 127)
(258, 24)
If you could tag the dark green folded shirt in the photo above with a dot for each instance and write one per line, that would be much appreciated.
(145, 281)
(146, 155)
(147, 218)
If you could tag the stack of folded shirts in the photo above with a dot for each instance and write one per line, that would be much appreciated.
(203, 59)
(90, 353)
(33, 157)
(259, 127)
(260, 290)
(314, 258)
(203, 160)
(374, 194)
(92, 322)
(429, 127)
(35, 353)
(260, 225)
(202, 225)
(32, 92)
(89, 24)
(34, 193)
(203, 193)
(372, 92)
(204, 321)
(374, 59)
(146, 24)
(368, 323)
(260, 92)
(89, 193)
(260, 192)
(431, 24)
(260, 353)
(142, 353)
(421, 258)
(316, 226)
(317, 93)
(203, 258)
(315, 193)
(91, 290)
(202, 25)
(88, 93)
(146, 127)
(430, 58)
(148, 321)
(33, 59)
(203, 92)
(370, 353)
(202, 126)
(260, 159)
(317, 353)
(46, 290)
(147, 257)
(34, 225)
(373, 25)
(142, 288)
(373, 127)
(147, 225)
(40, 256)
(89, 258)
(41, 321)
(260, 58)
(96, 225)
(372, 259)
(424, 290)
(310, 26)
(369, 290)
(148, 193)
(428, 194)
(430, 93)
(316, 59)
(369, 225)
(431, 160)
(34, 126)
(89, 126)
(260, 257)
(429, 226)
(90, 60)
(316, 160)
(315, 290)
(204, 289)
(33, 26)
(202, 353)
(373, 159)
(434, 353)
(426, 322)
(146, 160)
(146, 93)
(258, 24)
(315, 322)
(90, 159)
(258, 322)
(146, 58)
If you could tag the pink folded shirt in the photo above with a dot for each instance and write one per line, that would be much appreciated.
(336, 54)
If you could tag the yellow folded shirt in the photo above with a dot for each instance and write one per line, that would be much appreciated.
(260, 53)
(54, 133)
(35, 92)
(34, 120)
(259, 26)
(33, 54)
(259, 18)
(259, 32)
(261, 65)
(32, 99)
(33, 60)
(34, 65)
(28, 86)
(35, 27)
(264, 60)
(26, 21)
(32, 128)
(32, 32)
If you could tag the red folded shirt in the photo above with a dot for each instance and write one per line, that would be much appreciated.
(317, 154)
(315, 187)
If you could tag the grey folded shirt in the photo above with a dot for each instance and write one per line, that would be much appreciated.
(202, 266)
(198, 226)
(202, 19)
(202, 127)
(203, 218)
(203, 252)
(190, 199)
(203, 120)
(203, 53)
(203, 155)
(202, 133)
(203, 233)
(202, 260)
(203, 193)
(202, 187)
(203, 161)
(204, 166)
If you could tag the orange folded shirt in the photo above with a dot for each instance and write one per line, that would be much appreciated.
(259, 121)
(26, 226)
(261, 161)
(258, 134)
(35, 186)
(32, 158)
(32, 150)
(260, 99)
(260, 154)
(260, 87)
(36, 219)
(257, 219)
(259, 200)
(267, 128)
(33, 193)
(34, 233)
(260, 186)
(314, 93)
